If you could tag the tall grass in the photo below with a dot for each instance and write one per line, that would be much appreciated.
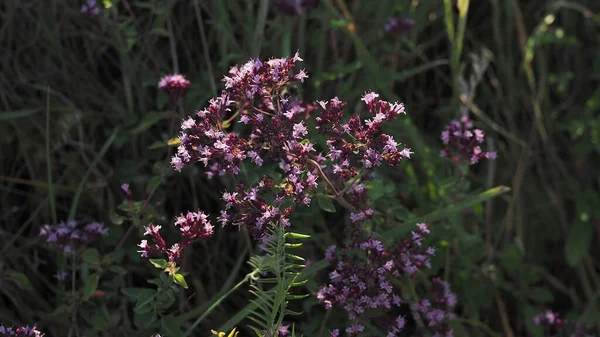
(80, 114)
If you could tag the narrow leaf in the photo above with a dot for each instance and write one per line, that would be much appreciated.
(450, 210)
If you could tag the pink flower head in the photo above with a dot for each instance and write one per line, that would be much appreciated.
(462, 142)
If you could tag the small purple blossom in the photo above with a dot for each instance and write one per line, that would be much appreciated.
(193, 226)
(21, 331)
(90, 8)
(294, 7)
(359, 284)
(72, 236)
(174, 85)
(462, 142)
(398, 25)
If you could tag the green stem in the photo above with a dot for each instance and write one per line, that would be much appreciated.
(217, 302)
(49, 161)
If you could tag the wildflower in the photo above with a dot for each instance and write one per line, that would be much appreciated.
(398, 25)
(194, 226)
(278, 135)
(462, 142)
(358, 284)
(174, 85)
(90, 9)
(21, 331)
(72, 236)
(437, 308)
(61, 275)
(294, 7)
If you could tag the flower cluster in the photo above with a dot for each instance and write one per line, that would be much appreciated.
(397, 25)
(90, 9)
(194, 226)
(278, 135)
(552, 322)
(174, 85)
(72, 237)
(294, 7)
(462, 142)
(22, 331)
(362, 273)
(437, 309)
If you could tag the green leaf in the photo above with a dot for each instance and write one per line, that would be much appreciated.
(153, 184)
(179, 279)
(145, 300)
(21, 280)
(133, 292)
(91, 256)
(449, 211)
(171, 325)
(91, 285)
(118, 269)
(159, 263)
(579, 242)
(326, 204)
(149, 119)
(159, 31)
(116, 218)
(293, 235)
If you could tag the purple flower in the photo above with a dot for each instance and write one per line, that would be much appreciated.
(193, 226)
(61, 275)
(462, 142)
(72, 236)
(90, 9)
(21, 331)
(294, 7)
(399, 25)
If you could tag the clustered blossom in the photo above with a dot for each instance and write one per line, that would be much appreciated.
(437, 309)
(462, 142)
(71, 236)
(398, 25)
(361, 277)
(194, 226)
(552, 322)
(294, 7)
(174, 85)
(277, 134)
(21, 331)
(90, 8)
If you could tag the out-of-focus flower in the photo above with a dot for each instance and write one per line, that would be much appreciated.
(21, 331)
(71, 236)
(294, 7)
(90, 8)
(462, 142)
(398, 25)
(61, 275)
(174, 85)
(555, 324)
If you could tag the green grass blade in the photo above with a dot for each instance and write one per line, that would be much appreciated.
(95, 162)
(49, 160)
(450, 210)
